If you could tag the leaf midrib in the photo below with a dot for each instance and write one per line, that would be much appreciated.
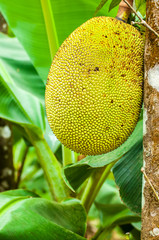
(9, 204)
(50, 27)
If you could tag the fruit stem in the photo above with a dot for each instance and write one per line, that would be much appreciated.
(50, 166)
(124, 10)
(95, 182)
(50, 27)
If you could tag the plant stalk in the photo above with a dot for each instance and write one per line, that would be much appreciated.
(23, 154)
(51, 167)
(66, 156)
(103, 234)
(50, 27)
(124, 10)
(95, 182)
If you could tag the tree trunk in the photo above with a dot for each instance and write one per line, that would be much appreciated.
(150, 211)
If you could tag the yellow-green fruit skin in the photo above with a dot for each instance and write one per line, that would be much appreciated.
(94, 88)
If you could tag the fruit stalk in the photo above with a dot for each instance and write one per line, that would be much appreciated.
(124, 10)
(95, 182)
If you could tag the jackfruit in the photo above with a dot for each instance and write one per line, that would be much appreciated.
(94, 88)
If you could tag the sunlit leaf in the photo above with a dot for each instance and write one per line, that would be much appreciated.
(27, 217)
(19, 106)
(18, 65)
(137, 225)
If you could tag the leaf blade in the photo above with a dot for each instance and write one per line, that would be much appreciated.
(19, 67)
(56, 220)
(101, 4)
(128, 177)
(113, 4)
(21, 104)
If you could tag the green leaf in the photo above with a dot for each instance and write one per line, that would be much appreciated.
(27, 217)
(77, 173)
(142, 9)
(13, 194)
(32, 176)
(113, 4)
(101, 4)
(34, 180)
(20, 103)
(141, 6)
(128, 177)
(135, 234)
(67, 156)
(28, 25)
(51, 139)
(22, 88)
(27, 112)
(137, 225)
(19, 67)
(51, 167)
(112, 211)
(31, 24)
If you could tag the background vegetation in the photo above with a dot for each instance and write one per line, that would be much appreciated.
(41, 171)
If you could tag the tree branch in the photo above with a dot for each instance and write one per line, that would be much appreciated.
(142, 21)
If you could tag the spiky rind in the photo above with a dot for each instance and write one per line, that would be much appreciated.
(94, 88)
